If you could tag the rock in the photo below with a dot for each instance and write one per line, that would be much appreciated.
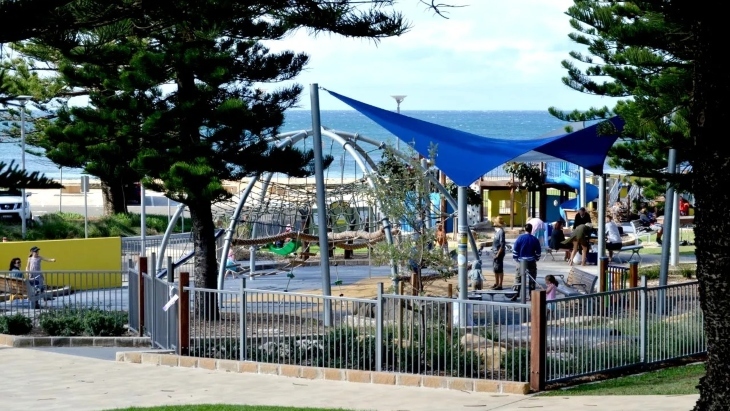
(490, 351)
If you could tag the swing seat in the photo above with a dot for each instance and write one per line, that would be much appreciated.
(285, 249)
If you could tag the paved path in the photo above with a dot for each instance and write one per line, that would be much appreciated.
(34, 379)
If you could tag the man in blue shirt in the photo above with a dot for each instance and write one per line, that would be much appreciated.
(529, 249)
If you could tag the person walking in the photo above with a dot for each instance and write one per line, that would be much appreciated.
(33, 267)
(526, 248)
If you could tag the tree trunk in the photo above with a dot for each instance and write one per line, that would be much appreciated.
(114, 198)
(708, 121)
(206, 265)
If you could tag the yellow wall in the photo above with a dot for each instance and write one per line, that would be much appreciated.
(93, 254)
(491, 206)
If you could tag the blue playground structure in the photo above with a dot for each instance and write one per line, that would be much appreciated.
(572, 182)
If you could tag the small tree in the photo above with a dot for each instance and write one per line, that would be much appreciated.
(404, 197)
(526, 177)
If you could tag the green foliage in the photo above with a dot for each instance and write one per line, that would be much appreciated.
(12, 177)
(15, 324)
(401, 195)
(516, 364)
(527, 175)
(472, 196)
(635, 53)
(69, 322)
(59, 226)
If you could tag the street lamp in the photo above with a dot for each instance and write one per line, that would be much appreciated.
(23, 100)
(398, 99)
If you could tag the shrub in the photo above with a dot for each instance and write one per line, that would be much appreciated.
(62, 323)
(91, 322)
(104, 323)
(16, 324)
(516, 364)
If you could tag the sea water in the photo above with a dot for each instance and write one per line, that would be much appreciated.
(498, 124)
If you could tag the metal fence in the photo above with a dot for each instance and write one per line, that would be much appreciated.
(408, 334)
(133, 298)
(179, 245)
(615, 329)
(160, 319)
(103, 290)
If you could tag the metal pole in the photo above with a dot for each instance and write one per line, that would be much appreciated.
(60, 192)
(321, 204)
(142, 223)
(669, 209)
(674, 244)
(461, 254)
(427, 194)
(23, 199)
(582, 194)
(523, 281)
(85, 186)
(601, 215)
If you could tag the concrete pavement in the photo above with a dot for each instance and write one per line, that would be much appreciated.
(33, 379)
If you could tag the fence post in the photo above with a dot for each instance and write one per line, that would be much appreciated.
(242, 320)
(170, 284)
(523, 284)
(603, 274)
(643, 310)
(183, 332)
(140, 298)
(538, 340)
(633, 274)
(379, 329)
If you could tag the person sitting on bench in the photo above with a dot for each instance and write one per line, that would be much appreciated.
(557, 237)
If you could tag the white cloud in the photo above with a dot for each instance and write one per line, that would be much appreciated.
(490, 55)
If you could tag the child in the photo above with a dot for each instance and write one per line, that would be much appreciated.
(552, 287)
(475, 275)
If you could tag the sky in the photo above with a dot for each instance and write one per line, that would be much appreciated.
(488, 55)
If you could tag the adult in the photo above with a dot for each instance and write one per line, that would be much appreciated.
(15, 268)
(498, 250)
(557, 237)
(649, 220)
(526, 248)
(581, 218)
(580, 239)
(33, 267)
(538, 228)
(613, 237)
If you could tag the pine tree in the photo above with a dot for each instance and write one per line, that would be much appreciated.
(653, 75)
(686, 43)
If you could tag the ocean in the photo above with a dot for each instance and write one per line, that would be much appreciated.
(499, 124)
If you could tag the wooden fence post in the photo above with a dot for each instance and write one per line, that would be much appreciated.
(538, 340)
(140, 297)
(183, 312)
(603, 275)
(633, 274)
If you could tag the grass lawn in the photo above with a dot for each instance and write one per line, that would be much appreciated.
(224, 407)
(669, 381)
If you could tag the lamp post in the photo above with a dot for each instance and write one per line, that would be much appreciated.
(23, 222)
(398, 99)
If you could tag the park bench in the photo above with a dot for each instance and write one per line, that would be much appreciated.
(578, 282)
(21, 288)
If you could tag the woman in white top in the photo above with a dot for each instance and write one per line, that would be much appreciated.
(33, 267)
(613, 237)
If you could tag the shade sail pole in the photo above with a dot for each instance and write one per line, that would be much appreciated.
(324, 258)
(461, 254)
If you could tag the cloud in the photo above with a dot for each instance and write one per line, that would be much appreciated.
(490, 55)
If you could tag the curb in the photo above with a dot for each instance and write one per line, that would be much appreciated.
(20, 341)
(332, 374)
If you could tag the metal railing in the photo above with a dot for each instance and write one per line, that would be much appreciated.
(103, 290)
(178, 245)
(160, 320)
(133, 298)
(395, 333)
(606, 331)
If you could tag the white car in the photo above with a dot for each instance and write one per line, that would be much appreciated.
(11, 207)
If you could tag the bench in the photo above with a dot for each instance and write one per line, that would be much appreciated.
(21, 288)
(638, 228)
(635, 249)
(578, 283)
(491, 293)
